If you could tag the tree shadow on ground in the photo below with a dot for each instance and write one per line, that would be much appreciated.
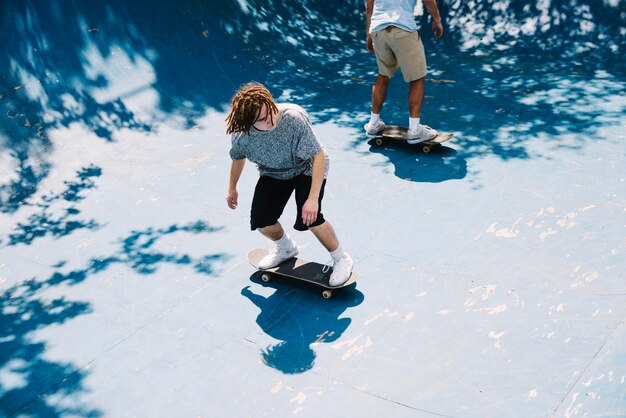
(46, 222)
(298, 316)
(498, 77)
(28, 376)
(33, 384)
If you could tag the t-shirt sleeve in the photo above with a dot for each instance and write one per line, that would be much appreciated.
(236, 150)
(308, 144)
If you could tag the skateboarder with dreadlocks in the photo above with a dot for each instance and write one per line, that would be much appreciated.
(280, 140)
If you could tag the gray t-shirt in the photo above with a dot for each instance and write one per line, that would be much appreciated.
(284, 152)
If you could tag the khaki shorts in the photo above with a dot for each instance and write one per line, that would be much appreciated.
(396, 48)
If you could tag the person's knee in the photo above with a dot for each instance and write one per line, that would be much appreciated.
(300, 226)
(319, 225)
(274, 232)
(382, 79)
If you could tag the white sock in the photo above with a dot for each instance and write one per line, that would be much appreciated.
(284, 242)
(374, 118)
(337, 254)
(413, 123)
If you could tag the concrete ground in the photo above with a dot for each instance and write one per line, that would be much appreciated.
(492, 268)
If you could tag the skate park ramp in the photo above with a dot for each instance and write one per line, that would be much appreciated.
(492, 268)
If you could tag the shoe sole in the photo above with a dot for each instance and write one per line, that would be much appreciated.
(418, 140)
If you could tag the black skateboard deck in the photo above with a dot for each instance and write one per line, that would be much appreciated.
(398, 134)
(300, 269)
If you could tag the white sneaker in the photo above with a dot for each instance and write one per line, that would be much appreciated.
(341, 270)
(375, 128)
(421, 134)
(278, 255)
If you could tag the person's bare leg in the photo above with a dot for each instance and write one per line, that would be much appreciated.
(416, 98)
(273, 232)
(379, 93)
(326, 236)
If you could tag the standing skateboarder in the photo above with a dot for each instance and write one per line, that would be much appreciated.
(280, 140)
(393, 37)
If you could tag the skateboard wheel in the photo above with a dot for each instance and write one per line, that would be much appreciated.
(266, 277)
(426, 149)
(379, 141)
(327, 294)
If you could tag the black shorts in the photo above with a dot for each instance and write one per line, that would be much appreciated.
(271, 196)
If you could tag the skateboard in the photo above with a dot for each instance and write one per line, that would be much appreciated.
(398, 134)
(298, 268)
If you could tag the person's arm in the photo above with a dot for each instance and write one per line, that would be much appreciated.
(236, 168)
(311, 206)
(369, 8)
(437, 27)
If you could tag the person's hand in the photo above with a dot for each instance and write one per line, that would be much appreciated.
(437, 29)
(309, 211)
(231, 199)
(369, 43)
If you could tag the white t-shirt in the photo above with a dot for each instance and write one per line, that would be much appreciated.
(399, 13)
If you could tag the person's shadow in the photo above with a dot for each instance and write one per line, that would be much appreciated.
(440, 164)
(298, 316)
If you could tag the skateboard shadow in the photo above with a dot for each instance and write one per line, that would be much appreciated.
(441, 164)
(298, 316)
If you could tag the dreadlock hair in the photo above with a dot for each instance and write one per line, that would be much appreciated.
(246, 104)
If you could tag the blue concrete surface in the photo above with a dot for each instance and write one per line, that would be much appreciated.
(492, 269)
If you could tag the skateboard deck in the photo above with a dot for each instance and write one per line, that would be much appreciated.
(398, 134)
(300, 269)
